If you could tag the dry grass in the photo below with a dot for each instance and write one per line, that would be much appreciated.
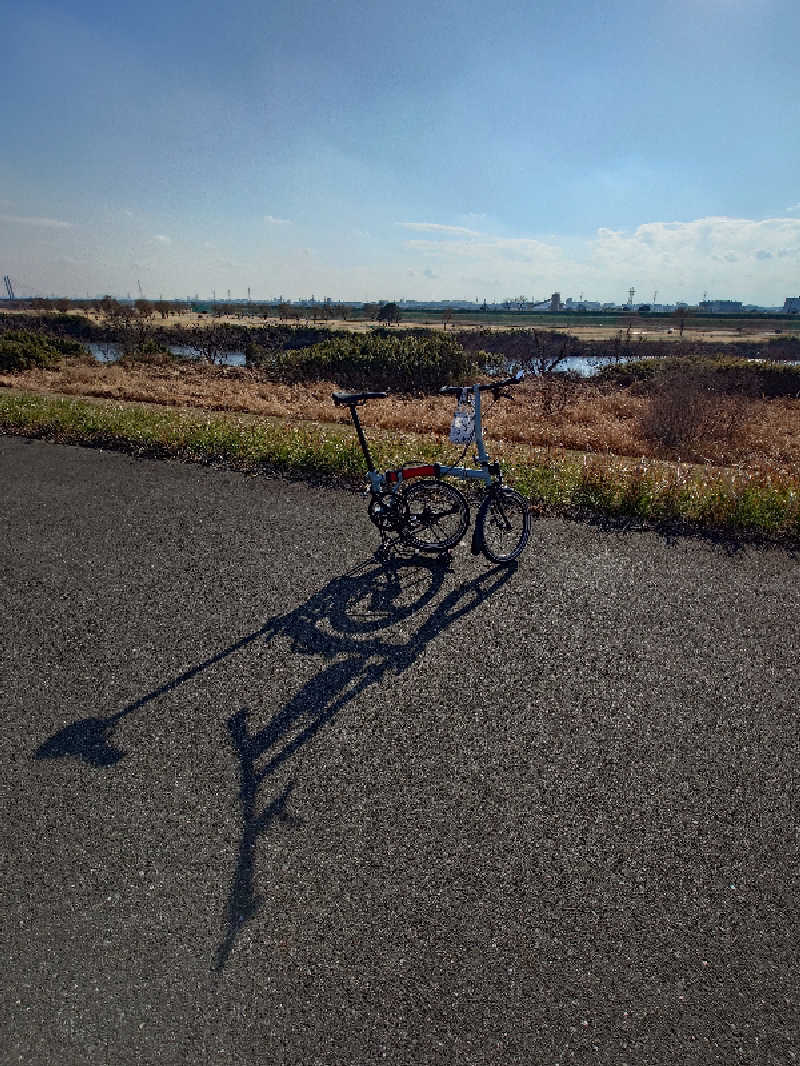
(595, 420)
(732, 502)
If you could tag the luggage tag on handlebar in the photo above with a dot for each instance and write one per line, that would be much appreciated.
(462, 428)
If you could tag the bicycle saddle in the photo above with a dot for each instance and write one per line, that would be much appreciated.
(348, 399)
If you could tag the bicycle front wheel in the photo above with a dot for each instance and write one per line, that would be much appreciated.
(437, 516)
(503, 525)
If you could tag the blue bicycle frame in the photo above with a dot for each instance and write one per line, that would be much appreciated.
(435, 518)
(487, 472)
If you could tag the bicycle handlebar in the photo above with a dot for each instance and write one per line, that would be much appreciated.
(494, 386)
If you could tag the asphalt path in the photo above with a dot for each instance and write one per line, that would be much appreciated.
(267, 799)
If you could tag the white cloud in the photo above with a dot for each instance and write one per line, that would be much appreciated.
(48, 223)
(748, 259)
(436, 227)
(271, 220)
(162, 239)
(727, 255)
(509, 249)
(793, 210)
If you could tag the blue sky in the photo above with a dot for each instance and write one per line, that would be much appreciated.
(375, 151)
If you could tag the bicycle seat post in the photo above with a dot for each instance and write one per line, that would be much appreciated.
(362, 440)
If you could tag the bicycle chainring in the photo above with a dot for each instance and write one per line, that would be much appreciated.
(389, 512)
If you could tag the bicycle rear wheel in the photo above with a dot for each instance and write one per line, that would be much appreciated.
(437, 516)
(503, 525)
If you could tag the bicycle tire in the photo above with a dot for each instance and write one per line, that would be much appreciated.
(503, 525)
(437, 515)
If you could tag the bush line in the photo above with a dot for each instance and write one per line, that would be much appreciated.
(756, 505)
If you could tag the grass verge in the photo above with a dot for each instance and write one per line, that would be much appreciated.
(729, 502)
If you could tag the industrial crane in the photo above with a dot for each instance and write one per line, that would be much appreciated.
(9, 287)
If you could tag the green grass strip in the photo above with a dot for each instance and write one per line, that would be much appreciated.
(752, 504)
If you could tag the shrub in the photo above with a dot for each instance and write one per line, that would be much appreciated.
(538, 350)
(690, 406)
(757, 379)
(783, 348)
(262, 343)
(405, 362)
(211, 343)
(22, 350)
(555, 391)
(724, 374)
(150, 353)
(626, 374)
(66, 346)
(54, 325)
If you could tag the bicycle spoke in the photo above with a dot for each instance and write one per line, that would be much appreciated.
(438, 515)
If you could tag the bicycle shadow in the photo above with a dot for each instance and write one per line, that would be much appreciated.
(358, 624)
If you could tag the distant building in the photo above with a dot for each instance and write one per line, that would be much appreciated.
(791, 305)
(555, 301)
(581, 305)
(720, 307)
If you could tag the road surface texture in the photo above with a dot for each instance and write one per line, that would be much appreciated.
(267, 800)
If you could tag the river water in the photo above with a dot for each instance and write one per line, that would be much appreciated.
(109, 353)
(586, 366)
